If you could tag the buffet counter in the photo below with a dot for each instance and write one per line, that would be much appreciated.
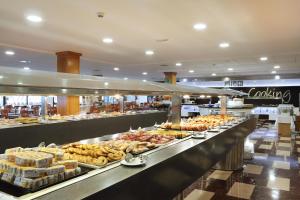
(71, 131)
(169, 170)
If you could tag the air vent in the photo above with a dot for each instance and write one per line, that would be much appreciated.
(164, 65)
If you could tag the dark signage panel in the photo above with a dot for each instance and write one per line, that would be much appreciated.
(282, 95)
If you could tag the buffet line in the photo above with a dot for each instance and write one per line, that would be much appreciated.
(28, 170)
(23, 121)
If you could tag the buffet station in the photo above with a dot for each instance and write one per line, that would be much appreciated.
(116, 156)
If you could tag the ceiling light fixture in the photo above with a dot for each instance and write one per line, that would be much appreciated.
(277, 77)
(34, 18)
(149, 52)
(26, 68)
(107, 40)
(1, 77)
(10, 53)
(200, 26)
(20, 83)
(208, 96)
(116, 69)
(226, 79)
(263, 58)
(273, 72)
(186, 96)
(144, 80)
(214, 74)
(25, 61)
(224, 45)
(191, 71)
(145, 73)
(184, 80)
(277, 67)
(178, 64)
(125, 78)
(202, 96)
(230, 69)
(106, 83)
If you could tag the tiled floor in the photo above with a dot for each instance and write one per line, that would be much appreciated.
(273, 173)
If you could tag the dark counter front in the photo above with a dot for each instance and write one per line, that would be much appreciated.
(66, 132)
(167, 173)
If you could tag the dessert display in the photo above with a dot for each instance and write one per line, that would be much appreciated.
(36, 168)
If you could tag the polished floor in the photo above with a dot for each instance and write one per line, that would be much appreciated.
(273, 173)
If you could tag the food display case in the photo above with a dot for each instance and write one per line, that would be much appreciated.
(168, 160)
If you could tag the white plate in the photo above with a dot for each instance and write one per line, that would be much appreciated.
(135, 162)
(198, 136)
(213, 130)
(224, 127)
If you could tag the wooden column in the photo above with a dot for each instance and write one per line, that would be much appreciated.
(68, 62)
(170, 77)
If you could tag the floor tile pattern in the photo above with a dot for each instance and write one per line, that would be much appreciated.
(273, 173)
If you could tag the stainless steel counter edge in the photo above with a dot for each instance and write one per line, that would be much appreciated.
(102, 179)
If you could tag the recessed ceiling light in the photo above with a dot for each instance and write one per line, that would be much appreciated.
(25, 61)
(226, 79)
(106, 83)
(116, 69)
(34, 18)
(10, 53)
(277, 77)
(26, 68)
(178, 64)
(145, 73)
(64, 90)
(224, 45)
(184, 80)
(202, 96)
(200, 26)
(107, 40)
(230, 69)
(273, 72)
(263, 58)
(149, 52)
(214, 74)
(277, 67)
(20, 83)
(125, 78)
(208, 96)
(191, 71)
(144, 80)
(1, 77)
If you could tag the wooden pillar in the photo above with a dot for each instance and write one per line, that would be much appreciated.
(170, 77)
(68, 62)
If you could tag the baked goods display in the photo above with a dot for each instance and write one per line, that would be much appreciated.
(27, 120)
(175, 133)
(35, 168)
(105, 152)
(144, 136)
(200, 123)
(94, 154)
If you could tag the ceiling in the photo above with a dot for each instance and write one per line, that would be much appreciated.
(253, 28)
